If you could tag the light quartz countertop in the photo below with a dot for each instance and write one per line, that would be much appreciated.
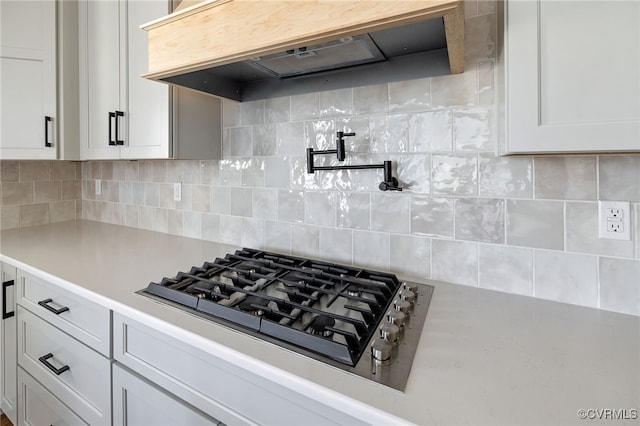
(484, 357)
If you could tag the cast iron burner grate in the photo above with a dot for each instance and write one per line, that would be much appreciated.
(332, 310)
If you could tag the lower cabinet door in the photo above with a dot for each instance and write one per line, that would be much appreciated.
(8, 343)
(37, 406)
(138, 402)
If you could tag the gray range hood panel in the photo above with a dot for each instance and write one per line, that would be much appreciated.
(412, 51)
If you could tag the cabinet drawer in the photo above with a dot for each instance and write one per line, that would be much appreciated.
(38, 406)
(138, 402)
(222, 390)
(85, 320)
(82, 381)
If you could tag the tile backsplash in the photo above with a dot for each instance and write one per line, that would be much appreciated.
(524, 225)
(39, 192)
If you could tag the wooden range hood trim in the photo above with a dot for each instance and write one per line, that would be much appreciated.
(199, 36)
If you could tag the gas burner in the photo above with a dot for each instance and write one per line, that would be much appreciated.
(320, 324)
(355, 290)
(253, 305)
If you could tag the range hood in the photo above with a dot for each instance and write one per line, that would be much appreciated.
(255, 49)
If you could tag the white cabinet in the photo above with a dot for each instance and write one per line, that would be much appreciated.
(87, 321)
(123, 115)
(28, 79)
(571, 76)
(37, 406)
(8, 343)
(77, 375)
(139, 402)
(219, 388)
(64, 343)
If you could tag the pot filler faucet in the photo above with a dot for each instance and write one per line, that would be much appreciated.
(389, 183)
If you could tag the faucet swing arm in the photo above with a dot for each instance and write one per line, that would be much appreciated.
(389, 183)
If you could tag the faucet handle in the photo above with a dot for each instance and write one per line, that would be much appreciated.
(340, 152)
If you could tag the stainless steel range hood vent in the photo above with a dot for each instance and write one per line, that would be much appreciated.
(346, 52)
(245, 53)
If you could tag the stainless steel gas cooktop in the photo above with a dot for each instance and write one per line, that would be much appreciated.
(362, 321)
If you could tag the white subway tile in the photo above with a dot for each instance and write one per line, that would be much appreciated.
(353, 210)
(432, 216)
(431, 131)
(252, 113)
(305, 240)
(371, 250)
(371, 99)
(277, 236)
(241, 203)
(290, 205)
(454, 262)
(410, 95)
(455, 89)
(264, 139)
(305, 107)
(391, 213)
(336, 245)
(389, 133)
(413, 172)
(231, 230)
(538, 224)
(566, 277)
(277, 110)
(507, 269)
(620, 285)
(454, 174)
(473, 129)
(252, 233)
(568, 178)
(479, 219)
(265, 203)
(319, 135)
(410, 255)
(505, 176)
(620, 178)
(320, 208)
(336, 103)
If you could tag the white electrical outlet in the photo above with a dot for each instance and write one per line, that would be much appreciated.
(614, 220)
(177, 192)
(98, 187)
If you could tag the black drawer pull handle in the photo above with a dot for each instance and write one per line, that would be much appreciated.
(112, 115)
(6, 314)
(44, 304)
(118, 141)
(47, 120)
(58, 371)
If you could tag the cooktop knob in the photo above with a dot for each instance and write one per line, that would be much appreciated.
(396, 317)
(381, 351)
(408, 295)
(390, 332)
(410, 286)
(402, 306)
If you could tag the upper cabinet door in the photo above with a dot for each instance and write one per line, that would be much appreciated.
(571, 76)
(147, 101)
(28, 80)
(101, 78)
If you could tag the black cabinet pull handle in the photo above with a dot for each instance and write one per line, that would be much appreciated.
(6, 314)
(111, 116)
(58, 371)
(118, 141)
(47, 120)
(44, 304)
